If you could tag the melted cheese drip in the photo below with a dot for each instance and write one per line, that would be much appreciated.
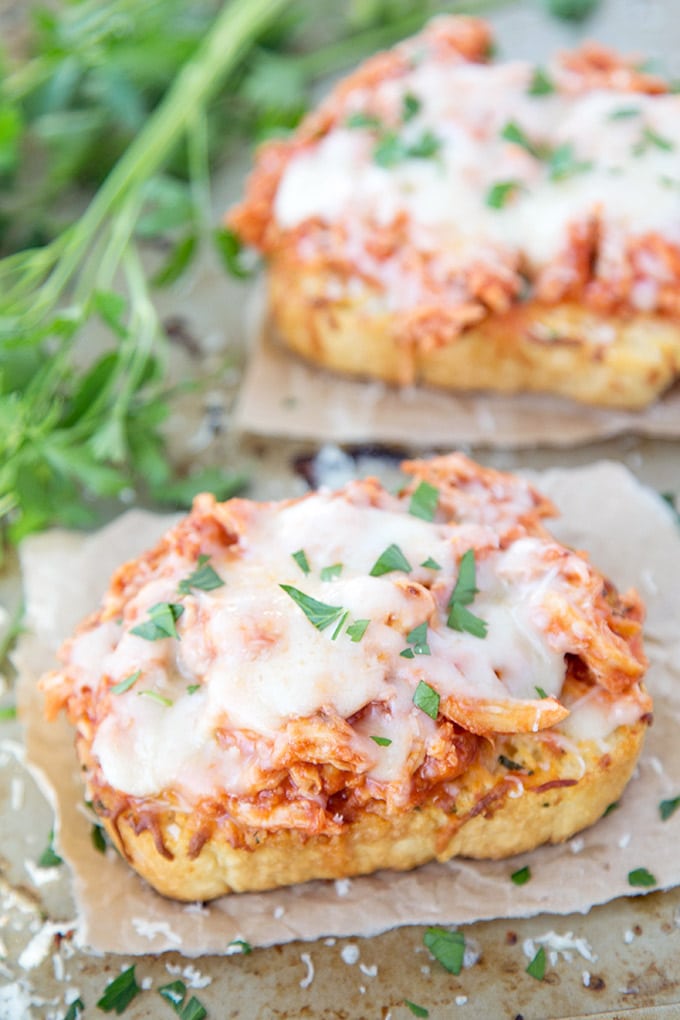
(634, 182)
(260, 663)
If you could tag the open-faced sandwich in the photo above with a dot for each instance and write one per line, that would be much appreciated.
(353, 680)
(470, 224)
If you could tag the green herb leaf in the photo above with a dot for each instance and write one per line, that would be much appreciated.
(120, 992)
(155, 696)
(463, 594)
(625, 113)
(381, 741)
(328, 573)
(424, 502)
(541, 83)
(389, 150)
(657, 140)
(357, 629)
(499, 193)
(49, 858)
(391, 559)
(641, 877)
(174, 993)
(512, 132)
(448, 947)
(410, 107)
(427, 146)
(204, 577)
(161, 623)
(239, 946)
(521, 876)
(192, 688)
(416, 1009)
(234, 257)
(610, 807)
(194, 1010)
(361, 119)
(571, 10)
(75, 1009)
(668, 808)
(341, 623)
(318, 613)
(126, 684)
(541, 693)
(537, 966)
(300, 558)
(418, 635)
(462, 619)
(8, 712)
(426, 699)
(562, 163)
(431, 564)
(98, 838)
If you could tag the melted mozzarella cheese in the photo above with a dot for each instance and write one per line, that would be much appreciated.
(632, 180)
(261, 663)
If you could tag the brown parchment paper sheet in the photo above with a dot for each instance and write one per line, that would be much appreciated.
(283, 395)
(629, 533)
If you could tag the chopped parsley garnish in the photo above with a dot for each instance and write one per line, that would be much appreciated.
(462, 595)
(8, 712)
(537, 966)
(428, 145)
(161, 623)
(390, 149)
(510, 765)
(521, 876)
(175, 994)
(541, 693)
(418, 639)
(426, 699)
(98, 838)
(416, 1009)
(74, 1010)
(203, 577)
(512, 132)
(668, 808)
(381, 741)
(410, 106)
(361, 119)
(341, 624)
(651, 138)
(391, 559)
(126, 684)
(562, 163)
(499, 193)
(300, 558)
(120, 992)
(447, 947)
(641, 877)
(424, 502)
(328, 573)
(49, 858)
(541, 83)
(431, 564)
(357, 629)
(610, 807)
(155, 696)
(192, 688)
(318, 613)
(625, 113)
(239, 946)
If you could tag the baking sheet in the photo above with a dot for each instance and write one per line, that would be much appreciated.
(282, 395)
(631, 536)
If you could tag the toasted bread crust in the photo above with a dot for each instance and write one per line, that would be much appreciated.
(493, 820)
(620, 361)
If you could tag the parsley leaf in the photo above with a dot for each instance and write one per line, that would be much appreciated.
(381, 741)
(239, 946)
(668, 808)
(175, 994)
(537, 966)
(341, 624)
(203, 577)
(235, 258)
(416, 1009)
(541, 693)
(462, 595)
(161, 623)
(318, 613)
(98, 838)
(120, 992)
(361, 119)
(192, 688)
(391, 559)
(610, 807)
(541, 83)
(75, 1009)
(499, 193)
(417, 638)
(300, 558)
(126, 684)
(641, 877)
(357, 629)
(424, 502)
(431, 564)
(625, 113)
(410, 107)
(334, 570)
(426, 699)
(49, 858)
(521, 876)
(448, 947)
(155, 696)
(389, 150)
(512, 132)
(562, 163)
